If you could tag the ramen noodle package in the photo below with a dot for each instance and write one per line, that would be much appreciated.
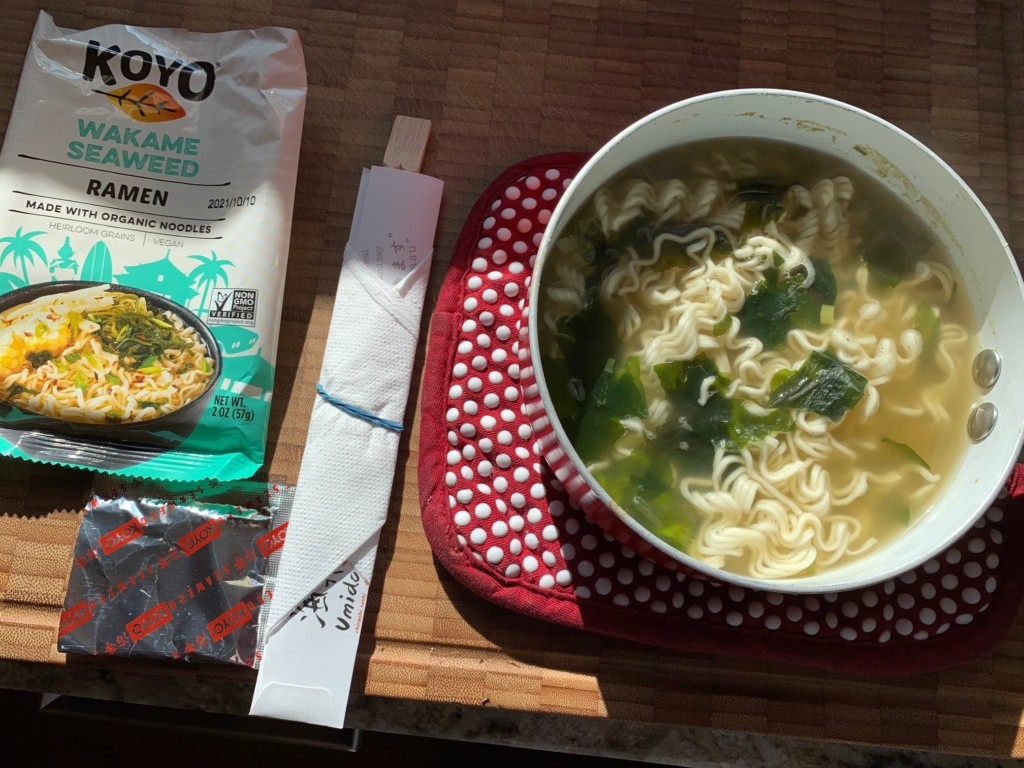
(146, 187)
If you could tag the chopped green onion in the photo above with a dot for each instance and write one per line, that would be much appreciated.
(926, 322)
(899, 512)
(908, 452)
(781, 377)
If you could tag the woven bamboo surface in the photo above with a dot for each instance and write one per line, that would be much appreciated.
(505, 81)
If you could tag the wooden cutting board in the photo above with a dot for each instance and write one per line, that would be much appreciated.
(501, 82)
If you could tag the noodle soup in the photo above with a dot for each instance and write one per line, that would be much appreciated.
(98, 355)
(759, 353)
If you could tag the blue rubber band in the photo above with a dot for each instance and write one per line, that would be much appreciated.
(359, 413)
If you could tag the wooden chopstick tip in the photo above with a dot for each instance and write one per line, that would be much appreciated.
(407, 145)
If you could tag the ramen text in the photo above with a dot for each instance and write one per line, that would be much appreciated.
(127, 192)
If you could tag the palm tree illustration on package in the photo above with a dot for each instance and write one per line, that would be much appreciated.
(206, 275)
(23, 250)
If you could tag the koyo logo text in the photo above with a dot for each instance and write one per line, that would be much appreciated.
(233, 618)
(74, 617)
(193, 81)
(148, 622)
(117, 538)
(198, 538)
(272, 541)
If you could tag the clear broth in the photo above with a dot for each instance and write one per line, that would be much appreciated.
(884, 511)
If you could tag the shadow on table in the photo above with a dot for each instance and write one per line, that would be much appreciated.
(973, 708)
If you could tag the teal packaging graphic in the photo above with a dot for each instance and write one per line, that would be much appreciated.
(147, 180)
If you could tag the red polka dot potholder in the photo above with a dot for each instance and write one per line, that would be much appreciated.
(499, 521)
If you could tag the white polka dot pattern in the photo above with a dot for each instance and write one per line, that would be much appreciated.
(510, 513)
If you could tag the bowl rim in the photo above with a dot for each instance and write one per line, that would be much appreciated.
(794, 585)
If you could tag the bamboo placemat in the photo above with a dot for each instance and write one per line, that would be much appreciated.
(505, 81)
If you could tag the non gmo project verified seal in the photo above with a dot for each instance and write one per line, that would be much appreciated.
(233, 306)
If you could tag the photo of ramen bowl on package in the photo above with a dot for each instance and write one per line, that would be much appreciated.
(147, 181)
(95, 360)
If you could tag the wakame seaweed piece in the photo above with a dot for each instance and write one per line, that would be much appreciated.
(645, 472)
(36, 359)
(19, 389)
(822, 385)
(772, 307)
(694, 452)
(586, 240)
(758, 215)
(763, 204)
(608, 250)
(589, 242)
(585, 339)
(723, 245)
(696, 430)
(763, 190)
(617, 394)
(668, 516)
(682, 379)
(746, 427)
(567, 395)
(134, 335)
(824, 285)
(672, 254)
(928, 324)
(642, 485)
(892, 250)
(679, 533)
(590, 239)
(597, 433)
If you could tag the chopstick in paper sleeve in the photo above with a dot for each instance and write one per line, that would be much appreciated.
(344, 486)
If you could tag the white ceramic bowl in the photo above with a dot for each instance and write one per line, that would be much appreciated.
(936, 194)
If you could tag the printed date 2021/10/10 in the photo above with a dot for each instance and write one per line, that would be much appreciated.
(231, 202)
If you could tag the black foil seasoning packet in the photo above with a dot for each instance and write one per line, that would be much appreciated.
(179, 578)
